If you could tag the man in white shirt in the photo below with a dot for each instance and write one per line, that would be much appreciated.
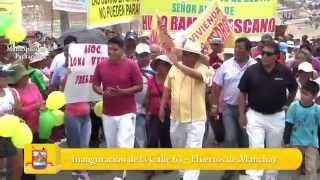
(59, 61)
(227, 79)
(143, 57)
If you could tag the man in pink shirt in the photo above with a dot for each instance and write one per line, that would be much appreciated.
(121, 80)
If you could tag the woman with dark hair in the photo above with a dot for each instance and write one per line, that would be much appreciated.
(31, 102)
(77, 120)
(9, 104)
(158, 132)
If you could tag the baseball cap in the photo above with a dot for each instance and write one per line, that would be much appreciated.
(143, 48)
(216, 40)
(306, 67)
(266, 37)
(131, 35)
(5, 72)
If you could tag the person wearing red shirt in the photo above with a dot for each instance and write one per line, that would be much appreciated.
(216, 47)
(121, 79)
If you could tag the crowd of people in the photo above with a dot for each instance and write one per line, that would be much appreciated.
(251, 98)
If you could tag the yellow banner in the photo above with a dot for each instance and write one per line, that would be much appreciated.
(50, 159)
(211, 23)
(13, 9)
(110, 12)
(247, 18)
(159, 35)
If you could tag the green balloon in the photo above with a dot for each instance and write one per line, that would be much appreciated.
(5, 22)
(46, 123)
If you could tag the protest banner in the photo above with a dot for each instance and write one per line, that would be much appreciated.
(110, 12)
(13, 9)
(159, 35)
(246, 17)
(82, 61)
(211, 23)
(70, 5)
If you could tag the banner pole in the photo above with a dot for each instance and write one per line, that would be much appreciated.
(52, 18)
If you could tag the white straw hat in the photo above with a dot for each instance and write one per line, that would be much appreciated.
(163, 58)
(194, 47)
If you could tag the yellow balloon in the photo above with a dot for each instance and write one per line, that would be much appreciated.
(98, 109)
(55, 100)
(8, 125)
(15, 33)
(59, 117)
(22, 136)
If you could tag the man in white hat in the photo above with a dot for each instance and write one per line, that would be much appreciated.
(143, 57)
(186, 83)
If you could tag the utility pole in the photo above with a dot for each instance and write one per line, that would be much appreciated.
(64, 21)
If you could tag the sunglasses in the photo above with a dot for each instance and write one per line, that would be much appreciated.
(267, 53)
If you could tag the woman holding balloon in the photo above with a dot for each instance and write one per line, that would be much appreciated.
(31, 102)
(30, 98)
(9, 104)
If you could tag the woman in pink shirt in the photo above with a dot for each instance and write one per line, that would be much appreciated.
(31, 99)
(31, 102)
(77, 121)
(158, 131)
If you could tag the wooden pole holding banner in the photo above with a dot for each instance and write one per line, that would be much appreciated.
(52, 18)
(64, 21)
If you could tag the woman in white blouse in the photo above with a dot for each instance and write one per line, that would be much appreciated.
(9, 104)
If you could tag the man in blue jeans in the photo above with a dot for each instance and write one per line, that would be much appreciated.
(143, 58)
(227, 79)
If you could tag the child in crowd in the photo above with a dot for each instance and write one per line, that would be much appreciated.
(301, 131)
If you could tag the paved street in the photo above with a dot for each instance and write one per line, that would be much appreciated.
(205, 175)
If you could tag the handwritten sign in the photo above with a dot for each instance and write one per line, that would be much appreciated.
(82, 60)
(110, 12)
(211, 23)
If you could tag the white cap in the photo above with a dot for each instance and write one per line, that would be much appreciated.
(143, 48)
(290, 44)
(306, 67)
(216, 40)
